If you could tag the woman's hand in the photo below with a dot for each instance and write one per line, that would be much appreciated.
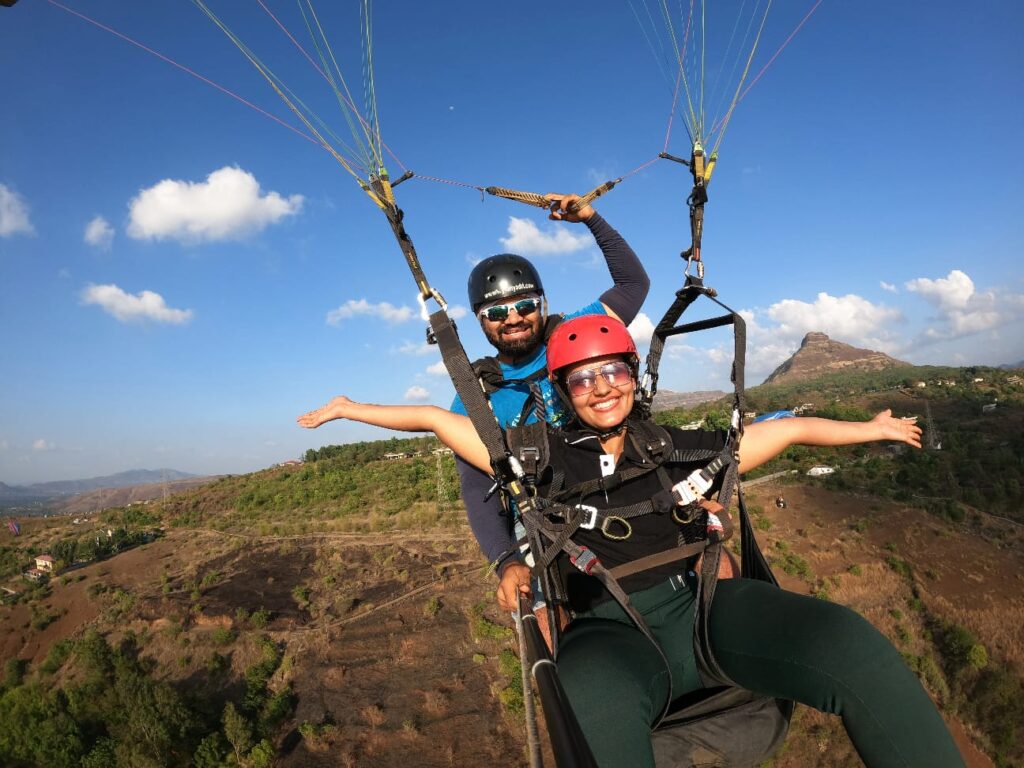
(901, 430)
(338, 408)
(559, 206)
(515, 580)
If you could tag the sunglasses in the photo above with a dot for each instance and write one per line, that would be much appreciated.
(498, 312)
(616, 374)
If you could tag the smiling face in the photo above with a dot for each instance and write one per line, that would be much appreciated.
(604, 391)
(516, 336)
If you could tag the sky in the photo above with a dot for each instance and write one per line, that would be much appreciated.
(181, 276)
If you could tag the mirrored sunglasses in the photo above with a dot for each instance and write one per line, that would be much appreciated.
(617, 374)
(498, 312)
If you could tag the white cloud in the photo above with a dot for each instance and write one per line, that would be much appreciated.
(947, 293)
(13, 213)
(99, 233)
(128, 307)
(384, 311)
(416, 348)
(417, 394)
(888, 287)
(228, 205)
(962, 309)
(42, 445)
(525, 237)
(437, 369)
(849, 318)
(642, 329)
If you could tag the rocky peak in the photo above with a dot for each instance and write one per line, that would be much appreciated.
(819, 355)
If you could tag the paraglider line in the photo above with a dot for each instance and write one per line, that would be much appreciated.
(784, 44)
(185, 69)
(775, 55)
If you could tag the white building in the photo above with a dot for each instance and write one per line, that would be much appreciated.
(819, 471)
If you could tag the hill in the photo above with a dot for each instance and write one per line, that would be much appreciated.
(338, 612)
(41, 494)
(104, 498)
(819, 355)
(667, 400)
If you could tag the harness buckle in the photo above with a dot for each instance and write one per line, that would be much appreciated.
(585, 560)
(529, 456)
(692, 488)
(684, 492)
(590, 521)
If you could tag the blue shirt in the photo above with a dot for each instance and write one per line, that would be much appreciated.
(509, 401)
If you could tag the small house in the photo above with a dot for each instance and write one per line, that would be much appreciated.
(820, 471)
(394, 456)
(45, 563)
(34, 574)
(443, 451)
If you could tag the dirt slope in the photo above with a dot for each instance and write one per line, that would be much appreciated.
(380, 630)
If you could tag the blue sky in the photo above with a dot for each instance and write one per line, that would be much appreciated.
(181, 276)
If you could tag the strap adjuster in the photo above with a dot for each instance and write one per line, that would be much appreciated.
(590, 521)
(529, 456)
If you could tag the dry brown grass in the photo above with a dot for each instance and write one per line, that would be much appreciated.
(999, 628)
(435, 702)
(373, 715)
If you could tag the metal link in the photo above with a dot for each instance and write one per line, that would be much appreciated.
(621, 521)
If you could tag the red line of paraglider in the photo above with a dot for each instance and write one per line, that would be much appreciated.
(185, 69)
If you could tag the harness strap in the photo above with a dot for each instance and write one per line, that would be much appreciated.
(614, 480)
(657, 559)
(585, 561)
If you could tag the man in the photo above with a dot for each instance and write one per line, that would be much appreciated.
(507, 296)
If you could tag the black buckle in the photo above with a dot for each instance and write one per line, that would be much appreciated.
(432, 337)
(529, 457)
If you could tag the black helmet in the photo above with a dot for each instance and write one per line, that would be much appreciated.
(501, 276)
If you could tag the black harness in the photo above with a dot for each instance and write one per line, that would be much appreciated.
(488, 371)
(550, 523)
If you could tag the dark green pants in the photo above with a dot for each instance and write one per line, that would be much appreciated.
(770, 641)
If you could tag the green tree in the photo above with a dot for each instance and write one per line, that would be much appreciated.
(238, 731)
(35, 729)
(211, 751)
(14, 673)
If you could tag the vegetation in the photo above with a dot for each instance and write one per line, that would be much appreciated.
(345, 487)
(111, 709)
(94, 702)
(981, 460)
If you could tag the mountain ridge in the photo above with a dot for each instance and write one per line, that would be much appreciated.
(819, 355)
(36, 493)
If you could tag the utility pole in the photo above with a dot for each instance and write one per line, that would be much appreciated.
(440, 484)
(932, 441)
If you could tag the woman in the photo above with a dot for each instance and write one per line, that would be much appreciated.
(767, 640)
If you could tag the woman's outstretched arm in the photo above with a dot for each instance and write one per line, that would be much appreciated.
(452, 429)
(767, 439)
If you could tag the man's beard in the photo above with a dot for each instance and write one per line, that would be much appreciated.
(516, 348)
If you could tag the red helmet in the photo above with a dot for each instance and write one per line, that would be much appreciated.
(586, 337)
